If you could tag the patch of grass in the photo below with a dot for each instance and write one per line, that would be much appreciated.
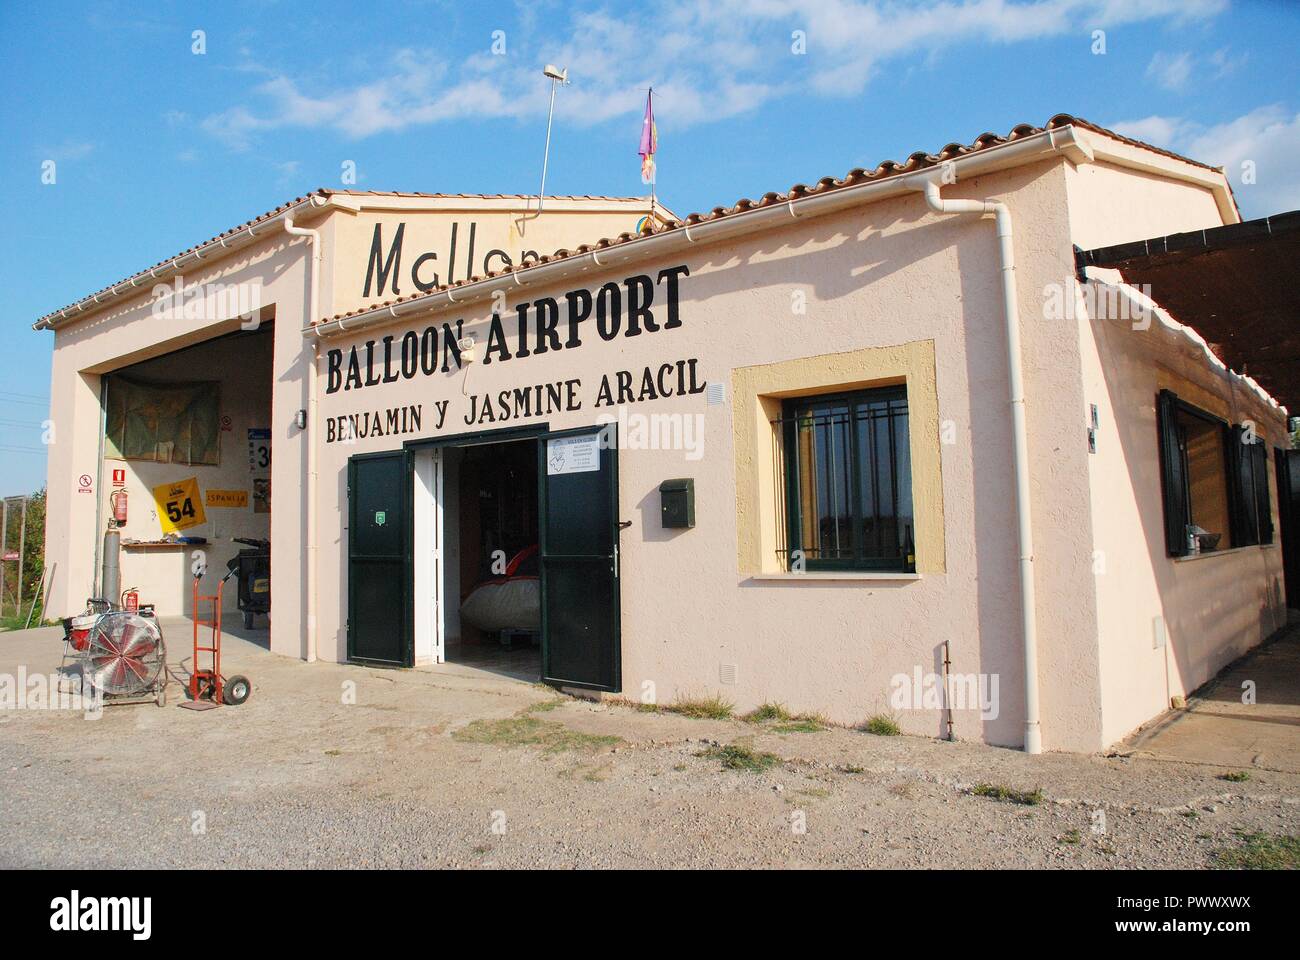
(882, 726)
(333, 753)
(1262, 851)
(636, 705)
(1235, 776)
(542, 706)
(767, 713)
(736, 757)
(784, 721)
(1071, 837)
(803, 723)
(702, 708)
(530, 732)
(851, 768)
(814, 793)
(1028, 798)
(1189, 814)
(905, 790)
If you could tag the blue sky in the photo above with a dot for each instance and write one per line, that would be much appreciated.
(157, 147)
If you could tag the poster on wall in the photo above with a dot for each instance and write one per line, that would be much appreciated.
(262, 495)
(259, 449)
(179, 505)
(167, 422)
(572, 455)
(226, 498)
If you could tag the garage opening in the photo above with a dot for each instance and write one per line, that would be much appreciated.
(491, 575)
(186, 477)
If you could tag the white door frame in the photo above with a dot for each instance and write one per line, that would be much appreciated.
(428, 551)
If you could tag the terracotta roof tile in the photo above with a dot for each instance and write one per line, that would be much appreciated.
(888, 168)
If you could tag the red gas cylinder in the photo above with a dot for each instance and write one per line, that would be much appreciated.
(131, 601)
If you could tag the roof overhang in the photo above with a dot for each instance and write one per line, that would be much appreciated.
(1071, 142)
(245, 236)
(1234, 285)
(348, 201)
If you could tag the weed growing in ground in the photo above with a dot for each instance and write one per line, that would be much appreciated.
(1262, 851)
(737, 757)
(702, 708)
(529, 731)
(1030, 798)
(882, 726)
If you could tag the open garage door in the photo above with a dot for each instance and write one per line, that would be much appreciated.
(579, 559)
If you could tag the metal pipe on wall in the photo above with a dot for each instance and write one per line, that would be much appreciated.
(1020, 442)
(313, 283)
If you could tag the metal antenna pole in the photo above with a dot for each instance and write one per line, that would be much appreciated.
(546, 156)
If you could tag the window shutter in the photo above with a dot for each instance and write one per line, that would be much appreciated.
(1237, 460)
(1246, 465)
(1172, 481)
(1263, 509)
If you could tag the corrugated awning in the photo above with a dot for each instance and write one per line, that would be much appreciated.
(1235, 285)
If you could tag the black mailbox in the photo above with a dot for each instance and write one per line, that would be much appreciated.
(677, 502)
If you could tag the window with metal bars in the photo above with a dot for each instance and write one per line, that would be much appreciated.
(848, 481)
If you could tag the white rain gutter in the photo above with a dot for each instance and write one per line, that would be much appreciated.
(207, 251)
(1020, 442)
(313, 286)
(1068, 141)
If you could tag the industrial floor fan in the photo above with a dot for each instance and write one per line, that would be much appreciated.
(124, 659)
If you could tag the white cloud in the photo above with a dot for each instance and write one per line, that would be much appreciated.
(1225, 63)
(1261, 145)
(1160, 131)
(1170, 70)
(707, 61)
(67, 150)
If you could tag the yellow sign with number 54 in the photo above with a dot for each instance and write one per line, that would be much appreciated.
(179, 505)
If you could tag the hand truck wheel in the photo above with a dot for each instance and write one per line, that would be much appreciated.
(236, 690)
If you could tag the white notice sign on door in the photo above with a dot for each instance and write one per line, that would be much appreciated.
(573, 455)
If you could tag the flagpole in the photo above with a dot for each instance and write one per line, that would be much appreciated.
(651, 94)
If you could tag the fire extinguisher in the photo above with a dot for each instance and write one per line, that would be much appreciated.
(131, 600)
(119, 506)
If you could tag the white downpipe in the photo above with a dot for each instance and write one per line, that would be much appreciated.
(1020, 461)
(313, 280)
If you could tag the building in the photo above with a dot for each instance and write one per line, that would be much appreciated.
(838, 447)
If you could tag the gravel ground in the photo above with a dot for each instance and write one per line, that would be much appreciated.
(297, 777)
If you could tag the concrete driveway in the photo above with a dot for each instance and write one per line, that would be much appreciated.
(1218, 729)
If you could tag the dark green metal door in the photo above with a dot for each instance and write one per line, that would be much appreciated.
(379, 560)
(579, 559)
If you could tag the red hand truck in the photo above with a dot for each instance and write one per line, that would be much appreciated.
(209, 685)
